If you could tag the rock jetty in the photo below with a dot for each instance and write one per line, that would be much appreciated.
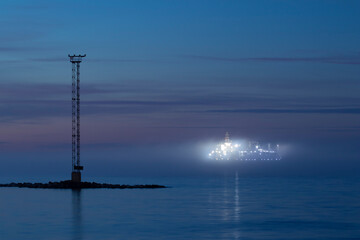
(77, 185)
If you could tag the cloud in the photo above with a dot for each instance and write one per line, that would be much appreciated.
(105, 60)
(33, 6)
(49, 59)
(16, 92)
(29, 101)
(118, 60)
(19, 49)
(300, 111)
(341, 59)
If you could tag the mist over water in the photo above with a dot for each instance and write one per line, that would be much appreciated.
(329, 158)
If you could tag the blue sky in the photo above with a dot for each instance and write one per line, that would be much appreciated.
(171, 73)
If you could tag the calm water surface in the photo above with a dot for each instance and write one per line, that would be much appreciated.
(194, 208)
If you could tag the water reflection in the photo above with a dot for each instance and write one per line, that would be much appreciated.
(236, 198)
(231, 199)
(226, 210)
(225, 205)
(236, 232)
(76, 215)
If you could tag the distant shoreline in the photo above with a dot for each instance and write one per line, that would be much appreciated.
(79, 185)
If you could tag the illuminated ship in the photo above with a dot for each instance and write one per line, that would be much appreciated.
(228, 150)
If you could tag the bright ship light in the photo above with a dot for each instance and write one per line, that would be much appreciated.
(250, 151)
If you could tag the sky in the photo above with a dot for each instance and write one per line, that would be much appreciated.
(163, 80)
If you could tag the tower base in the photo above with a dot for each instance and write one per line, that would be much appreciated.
(76, 176)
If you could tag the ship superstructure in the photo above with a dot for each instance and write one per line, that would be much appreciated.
(250, 150)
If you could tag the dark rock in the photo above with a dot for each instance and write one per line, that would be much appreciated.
(77, 185)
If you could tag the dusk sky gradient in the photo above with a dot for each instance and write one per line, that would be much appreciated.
(164, 78)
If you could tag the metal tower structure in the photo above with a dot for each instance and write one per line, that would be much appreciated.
(76, 167)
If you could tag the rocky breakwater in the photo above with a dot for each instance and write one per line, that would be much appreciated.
(78, 185)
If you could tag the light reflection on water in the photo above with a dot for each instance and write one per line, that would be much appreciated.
(77, 214)
(194, 208)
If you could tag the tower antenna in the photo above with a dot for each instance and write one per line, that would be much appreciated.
(76, 167)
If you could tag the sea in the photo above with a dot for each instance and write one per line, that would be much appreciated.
(221, 207)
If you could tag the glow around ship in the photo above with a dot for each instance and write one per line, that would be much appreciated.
(247, 151)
